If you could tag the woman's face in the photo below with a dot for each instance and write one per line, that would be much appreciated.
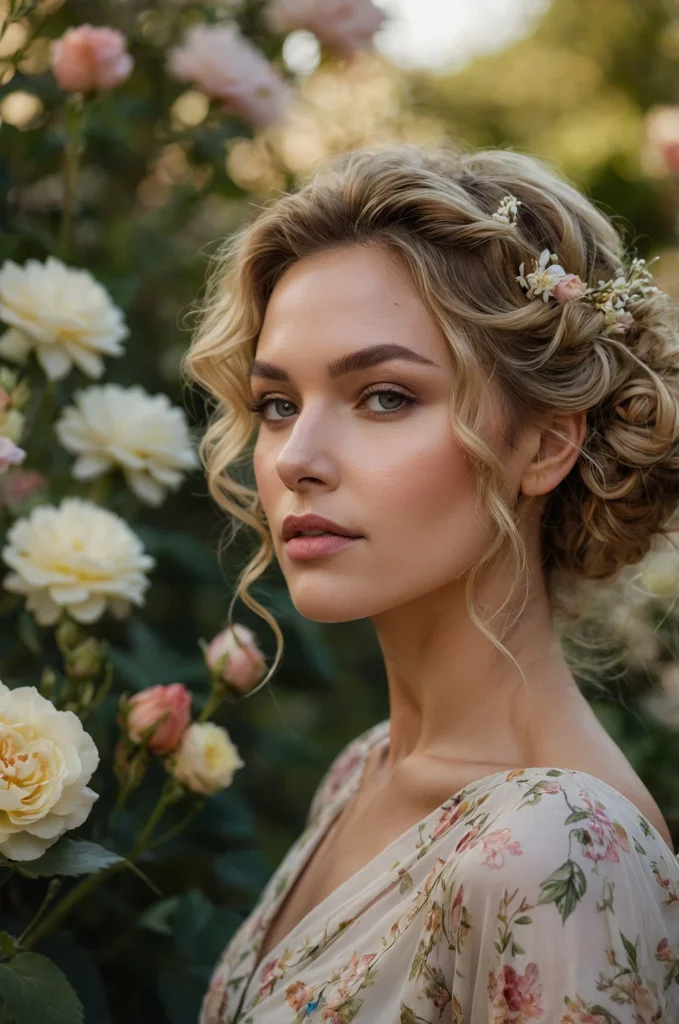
(372, 449)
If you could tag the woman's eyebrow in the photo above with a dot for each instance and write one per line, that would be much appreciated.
(361, 359)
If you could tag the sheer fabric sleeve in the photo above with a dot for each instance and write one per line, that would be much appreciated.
(345, 763)
(564, 911)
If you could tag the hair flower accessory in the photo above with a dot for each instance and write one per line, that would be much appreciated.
(543, 279)
(609, 297)
(508, 210)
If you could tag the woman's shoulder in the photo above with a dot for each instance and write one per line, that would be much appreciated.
(553, 827)
(560, 901)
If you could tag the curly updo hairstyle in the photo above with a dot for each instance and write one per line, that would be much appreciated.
(434, 208)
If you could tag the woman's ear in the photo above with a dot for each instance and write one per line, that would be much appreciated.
(559, 439)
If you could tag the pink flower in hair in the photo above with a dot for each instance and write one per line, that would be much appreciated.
(570, 287)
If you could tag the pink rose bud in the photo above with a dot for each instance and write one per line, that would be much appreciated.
(169, 707)
(87, 58)
(570, 287)
(670, 154)
(10, 454)
(234, 656)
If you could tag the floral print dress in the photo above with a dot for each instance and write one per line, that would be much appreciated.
(538, 894)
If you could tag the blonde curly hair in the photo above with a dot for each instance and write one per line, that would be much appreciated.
(435, 208)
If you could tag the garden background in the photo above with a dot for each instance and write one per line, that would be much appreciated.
(139, 183)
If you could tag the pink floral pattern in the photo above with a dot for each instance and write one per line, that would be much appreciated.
(540, 894)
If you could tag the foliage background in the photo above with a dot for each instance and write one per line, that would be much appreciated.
(162, 181)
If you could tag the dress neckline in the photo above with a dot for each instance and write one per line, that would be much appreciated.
(311, 838)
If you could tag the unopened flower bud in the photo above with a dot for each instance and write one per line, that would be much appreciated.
(234, 657)
(85, 661)
(159, 716)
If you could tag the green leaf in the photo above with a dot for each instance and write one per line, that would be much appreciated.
(35, 991)
(28, 631)
(157, 918)
(69, 856)
(565, 887)
(7, 944)
(5, 1016)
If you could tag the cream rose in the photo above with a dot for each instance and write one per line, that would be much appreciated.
(144, 435)
(46, 761)
(206, 758)
(61, 312)
(77, 557)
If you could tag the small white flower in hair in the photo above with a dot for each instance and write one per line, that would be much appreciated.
(508, 210)
(543, 279)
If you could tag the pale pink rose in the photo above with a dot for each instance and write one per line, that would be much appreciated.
(169, 706)
(670, 155)
(432, 922)
(87, 58)
(298, 995)
(496, 844)
(514, 997)
(10, 454)
(226, 66)
(646, 1002)
(548, 787)
(234, 655)
(664, 952)
(343, 25)
(577, 1013)
(622, 324)
(570, 287)
(274, 969)
(448, 817)
(21, 485)
(456, 910)
(604, 836)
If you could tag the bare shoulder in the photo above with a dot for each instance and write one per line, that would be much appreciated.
(584, 745)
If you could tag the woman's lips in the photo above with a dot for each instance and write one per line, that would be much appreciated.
(304, 548)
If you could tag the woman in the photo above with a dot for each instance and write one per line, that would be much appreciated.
(439, 373)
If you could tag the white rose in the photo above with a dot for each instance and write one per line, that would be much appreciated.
(62, 313)
(143, 434)
(660, 575)
(77, 557)
(46, 760)
(206, 758)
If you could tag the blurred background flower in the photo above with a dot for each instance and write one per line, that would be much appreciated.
(227, 67)
(86, 58)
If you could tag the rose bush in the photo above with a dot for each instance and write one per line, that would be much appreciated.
(120, 834)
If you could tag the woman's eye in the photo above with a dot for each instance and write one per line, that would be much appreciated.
(381, 394)
(389, 394)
